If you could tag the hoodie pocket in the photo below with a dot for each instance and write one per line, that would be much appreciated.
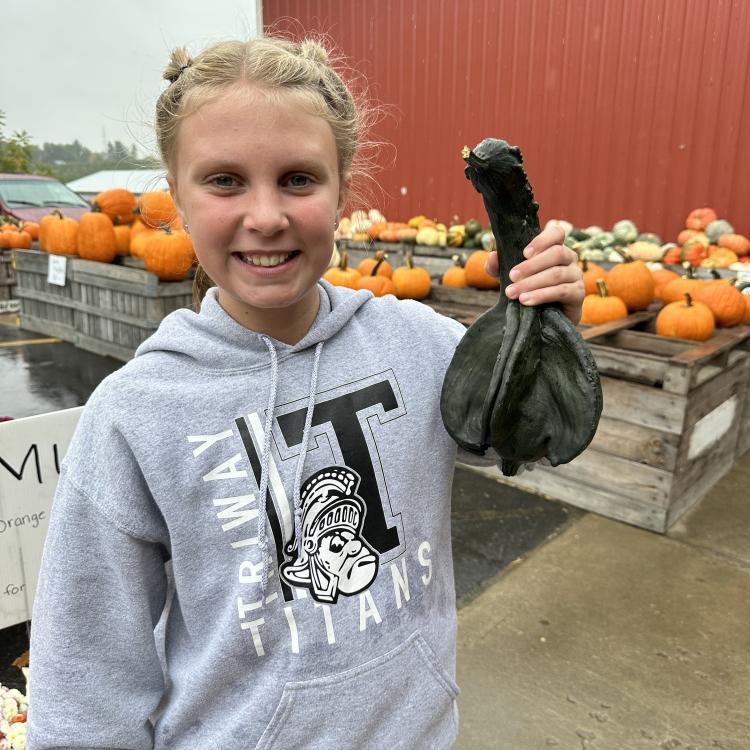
(402, 699)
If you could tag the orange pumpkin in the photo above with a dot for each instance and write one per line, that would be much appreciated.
(476, 276)
(374, 230)
(602, 307)
(685, 235)
(700, 218)
(122, 238)
(686, 319)
(725, 302)
(455, 276)
(61, 235)
(118, 203)
(169, 254)
(407, 235)
(411, 282)
(662, 276)
(342, 275)
(157, 208)
(378, 284)
(674, 291)
(31, 228)
(96, 237)
(737, 243)
(384, 269)
(632, 282)
(138, 241)
(17, 240)
(591, 273)
(388, 235)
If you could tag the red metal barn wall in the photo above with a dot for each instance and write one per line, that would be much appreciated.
(622, 108)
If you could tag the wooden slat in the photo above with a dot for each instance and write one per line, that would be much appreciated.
(606, 329)
(598, 499)
(726, 339)
(643, 405)
(636, 443)
(644, 368)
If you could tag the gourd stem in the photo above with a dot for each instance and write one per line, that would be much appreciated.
(601, 285)
(344, 262)
(688, 299)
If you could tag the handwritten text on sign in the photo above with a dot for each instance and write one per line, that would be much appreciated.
(31, 451)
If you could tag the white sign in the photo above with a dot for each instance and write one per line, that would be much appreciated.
(56, 269)
(31, 451)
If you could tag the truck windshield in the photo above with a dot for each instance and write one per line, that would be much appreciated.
(17, 193)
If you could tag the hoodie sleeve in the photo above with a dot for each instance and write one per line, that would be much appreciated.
(95, 673)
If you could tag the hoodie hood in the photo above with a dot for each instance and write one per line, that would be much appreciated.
(213, 340)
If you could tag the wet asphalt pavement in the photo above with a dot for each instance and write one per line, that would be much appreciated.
(493, 524)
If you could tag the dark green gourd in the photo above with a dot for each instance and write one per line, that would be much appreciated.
(522, 380)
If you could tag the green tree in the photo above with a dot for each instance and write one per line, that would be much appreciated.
(15, 150)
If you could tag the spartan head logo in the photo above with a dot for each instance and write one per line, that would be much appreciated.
(332, 556)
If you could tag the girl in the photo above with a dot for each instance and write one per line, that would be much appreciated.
(282, 449)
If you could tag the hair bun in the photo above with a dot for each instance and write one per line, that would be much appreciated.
(179, 60)
(312, 50)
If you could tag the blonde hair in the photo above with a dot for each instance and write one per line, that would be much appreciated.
(277, 65)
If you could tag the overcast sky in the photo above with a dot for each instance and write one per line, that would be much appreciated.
(91, 70)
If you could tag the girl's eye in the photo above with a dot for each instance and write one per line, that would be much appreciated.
(223, 180)
(299, 180)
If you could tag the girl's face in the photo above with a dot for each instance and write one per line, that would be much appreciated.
(257, 182)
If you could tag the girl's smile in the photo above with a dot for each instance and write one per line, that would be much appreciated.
(257, 182)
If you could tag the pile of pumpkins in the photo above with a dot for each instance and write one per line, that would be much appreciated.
(120, 224)
(17, 235)
(377, 275)
(372, 226)
(706, 241)
(409, 281)
(692, 308)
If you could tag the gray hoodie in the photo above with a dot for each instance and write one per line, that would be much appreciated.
(322, 616)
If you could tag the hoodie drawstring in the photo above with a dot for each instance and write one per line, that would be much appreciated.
(262, 517)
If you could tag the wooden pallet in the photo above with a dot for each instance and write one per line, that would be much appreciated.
(674, 412)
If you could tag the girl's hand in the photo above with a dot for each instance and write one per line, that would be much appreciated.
(550, 273)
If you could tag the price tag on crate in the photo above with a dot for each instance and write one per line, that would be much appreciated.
(56, 269)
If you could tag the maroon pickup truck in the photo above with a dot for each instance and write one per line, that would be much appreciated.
(29, 197)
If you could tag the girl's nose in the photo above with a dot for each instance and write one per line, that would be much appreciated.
(265, 213)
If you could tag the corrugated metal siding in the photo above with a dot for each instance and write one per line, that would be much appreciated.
(621, 108)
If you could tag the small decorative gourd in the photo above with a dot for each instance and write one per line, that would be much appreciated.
(521, 380)
(700, 218)
(737, 243)
(686, 319)
(602, 307)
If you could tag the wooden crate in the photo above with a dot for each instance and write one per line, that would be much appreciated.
(7, 276)
(45, 308)
(672, 416)
(103, 308)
